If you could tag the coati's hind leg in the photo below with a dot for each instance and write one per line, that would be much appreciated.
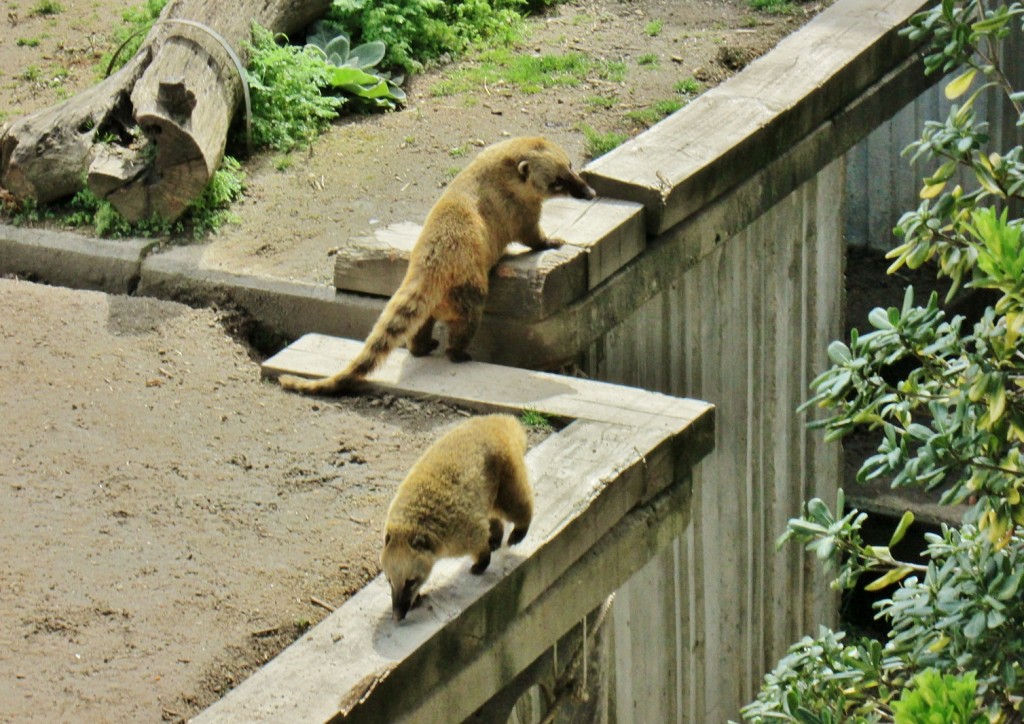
(515, 496)
(423, 342)
(497, 533)
(468, 302)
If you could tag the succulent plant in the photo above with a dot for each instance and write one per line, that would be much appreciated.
(351, 70)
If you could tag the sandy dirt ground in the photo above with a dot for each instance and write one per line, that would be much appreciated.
(166, 518)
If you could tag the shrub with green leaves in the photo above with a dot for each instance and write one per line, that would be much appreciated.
(419, 31)
(933, 697)
(948, 398)
(285, 84)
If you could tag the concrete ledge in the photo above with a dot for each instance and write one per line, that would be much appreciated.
(70, 260)
(612, 489)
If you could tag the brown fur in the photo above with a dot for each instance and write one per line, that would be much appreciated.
(454, 503)
(492, 202)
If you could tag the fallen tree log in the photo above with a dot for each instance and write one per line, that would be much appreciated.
(148, 138)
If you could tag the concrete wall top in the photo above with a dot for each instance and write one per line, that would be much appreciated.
(733, 130)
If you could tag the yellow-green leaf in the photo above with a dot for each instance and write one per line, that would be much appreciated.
(930, 191)
(901, 529)
(896, 574)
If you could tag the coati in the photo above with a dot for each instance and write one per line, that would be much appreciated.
(454, 502)
(495, 200)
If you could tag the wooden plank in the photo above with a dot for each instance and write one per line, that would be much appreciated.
(733, 130)
(359, 661)
(494, 387)
(601, 236)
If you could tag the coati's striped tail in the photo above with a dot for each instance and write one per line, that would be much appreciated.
(404, 314)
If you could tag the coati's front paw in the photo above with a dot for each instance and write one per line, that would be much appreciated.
(516, 535)
(481, 564)
(458, 355)
(549, 243)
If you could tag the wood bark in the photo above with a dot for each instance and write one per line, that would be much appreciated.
(149, 137)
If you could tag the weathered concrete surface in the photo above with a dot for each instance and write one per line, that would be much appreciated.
(70, 260)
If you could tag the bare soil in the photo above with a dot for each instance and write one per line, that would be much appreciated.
(168, 519)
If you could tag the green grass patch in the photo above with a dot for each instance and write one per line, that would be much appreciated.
(688, 86)
(527, 73)
(598, 144)
(137, 22)
(27, 42)
(31, 74)
(648, 59)
(774, 7)
(605, 102)
(655, 112)
(613, 70)
(46, 7)
(654, 28)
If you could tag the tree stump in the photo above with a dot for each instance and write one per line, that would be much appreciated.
(148, 138)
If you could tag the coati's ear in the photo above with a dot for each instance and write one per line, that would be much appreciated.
(421, 543)
(524, 169)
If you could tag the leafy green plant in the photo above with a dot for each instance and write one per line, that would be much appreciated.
(27, 42)
(598, 144)
(648, 59)
(948, 398)
(285, 82)
(351, 70)
(932, 697)
(420, 31)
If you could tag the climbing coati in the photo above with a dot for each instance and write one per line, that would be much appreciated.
(454, 502)
(495, 200)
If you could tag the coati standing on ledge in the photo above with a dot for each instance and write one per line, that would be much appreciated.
(495, 200)
(453, 503)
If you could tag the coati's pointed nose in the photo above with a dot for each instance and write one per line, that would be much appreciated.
(584, 191)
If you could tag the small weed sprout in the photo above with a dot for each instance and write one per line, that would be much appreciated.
(648, 59)
(535, 419)
(654, 28)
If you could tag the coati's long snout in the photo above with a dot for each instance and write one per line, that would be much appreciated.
(578, 188)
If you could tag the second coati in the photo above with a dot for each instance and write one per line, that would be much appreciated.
(494, 201)
(454, 502)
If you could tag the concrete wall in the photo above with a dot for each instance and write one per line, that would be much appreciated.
(747, 327)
